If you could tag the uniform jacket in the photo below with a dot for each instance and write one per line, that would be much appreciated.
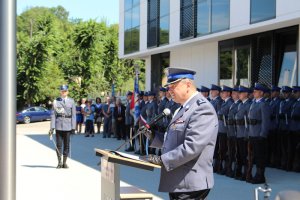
(274, 106)
(223, 115)
(151, 110)
(259, 112)
(129, 120)
(241, 118)
(187, 151)
(63, 117)
(173, 106)
(285, 109)
(295, 116)
(160, 108)
(231, 117)
(217, 103)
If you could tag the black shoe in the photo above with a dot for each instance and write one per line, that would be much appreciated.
(87, 136)
(119, 138)
(93, 135)
(104, 136)
(129, 149)
(59, 166)
(65, 166)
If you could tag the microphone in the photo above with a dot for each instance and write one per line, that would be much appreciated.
(165, 112)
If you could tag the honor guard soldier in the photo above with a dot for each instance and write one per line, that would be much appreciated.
(63, 121)
(223, 129)
(285, 109)
(216, 101)
(231, 133)
(188, 145)
(273, 137)
(295, 131)
(242, 169)
(259, 123)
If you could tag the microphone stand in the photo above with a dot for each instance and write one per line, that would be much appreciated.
(130, 140)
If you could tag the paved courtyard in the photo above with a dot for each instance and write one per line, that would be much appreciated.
(38, 178)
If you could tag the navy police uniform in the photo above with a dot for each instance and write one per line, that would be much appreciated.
(259, 122)
(294, 140)
(285, 109)
(242, 170)
(63, 120)
(188, 146)
(222, 134)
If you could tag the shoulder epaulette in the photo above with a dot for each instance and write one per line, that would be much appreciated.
(200, 101)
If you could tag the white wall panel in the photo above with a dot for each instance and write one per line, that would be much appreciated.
(239, 15)
(174, 21)
(202, 58)
(143, 25)
(121, 28)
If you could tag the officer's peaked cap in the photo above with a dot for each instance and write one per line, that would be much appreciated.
(275, 88)
(204, 89)
(286, 89)
(129, 93)
(235, 88)
(215, 87)
(162, 89)
(296, 88)
(176, 74)
(244, 89)
(226, 89)
(63, 87)
(261, 87)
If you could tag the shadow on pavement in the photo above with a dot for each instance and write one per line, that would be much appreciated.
(38, 166)
(82, 150)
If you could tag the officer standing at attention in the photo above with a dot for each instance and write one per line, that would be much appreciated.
(223, 128)
(205, 92)
(259, 123)
(231, 133)
(63, 121)
(216, 101)
(295, 132)
(285, 109)
(273, 139)
(243, 169)
(188, 144)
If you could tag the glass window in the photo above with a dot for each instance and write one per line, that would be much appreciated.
(220, 15)
(288, 74)
(203, 17)
(164, 30)
(187, 28)
(242, 66)
(226, 68)
(135, 17)
(164, 7)
(127, 20)
(131, 26)
(262, 10)
(127, 4)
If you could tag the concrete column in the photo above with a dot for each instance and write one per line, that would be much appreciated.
(8, 99)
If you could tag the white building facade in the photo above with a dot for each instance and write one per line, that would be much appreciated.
(231, 42)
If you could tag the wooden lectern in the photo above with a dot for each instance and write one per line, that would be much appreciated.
(110, 177)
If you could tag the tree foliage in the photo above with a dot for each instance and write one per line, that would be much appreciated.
(53, 50)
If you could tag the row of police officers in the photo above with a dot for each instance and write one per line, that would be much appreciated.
(257, 126)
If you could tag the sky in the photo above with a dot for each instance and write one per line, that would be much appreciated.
(83, 9)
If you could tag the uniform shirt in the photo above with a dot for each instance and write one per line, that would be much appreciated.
(223, 115)
(217, 103)
(241, 117)
(285, 109)
(231, 117)
(63, 117)
(274, 106)
(260, 112)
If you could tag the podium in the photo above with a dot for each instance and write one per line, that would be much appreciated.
(110, 175)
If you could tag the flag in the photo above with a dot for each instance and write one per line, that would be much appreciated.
(134, 104)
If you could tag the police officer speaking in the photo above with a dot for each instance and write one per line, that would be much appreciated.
(189, 142)
(63, 120)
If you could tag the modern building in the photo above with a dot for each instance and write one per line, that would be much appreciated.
(225, 41)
